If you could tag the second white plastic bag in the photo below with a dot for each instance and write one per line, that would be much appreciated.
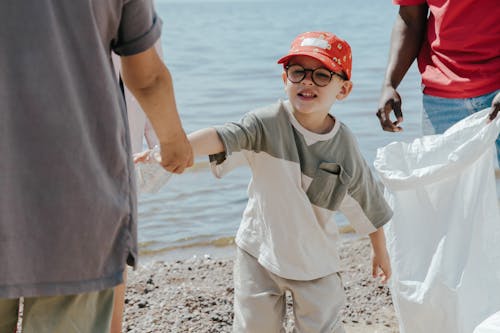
(444, 238)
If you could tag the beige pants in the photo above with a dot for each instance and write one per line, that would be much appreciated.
(259, 300)
(82, 313)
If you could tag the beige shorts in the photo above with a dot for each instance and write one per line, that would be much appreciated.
(82, 313)
(259, 300)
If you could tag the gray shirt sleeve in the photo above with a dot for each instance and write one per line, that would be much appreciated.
(243, 135)
(139, 28)
(364, 188)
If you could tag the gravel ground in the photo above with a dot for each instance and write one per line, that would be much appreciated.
(196, 295)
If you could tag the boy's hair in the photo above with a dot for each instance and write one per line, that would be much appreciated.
(332, 51)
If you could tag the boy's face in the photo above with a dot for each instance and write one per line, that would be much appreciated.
(306, 96)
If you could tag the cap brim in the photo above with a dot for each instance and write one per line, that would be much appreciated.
(318, 56)
(326, 61)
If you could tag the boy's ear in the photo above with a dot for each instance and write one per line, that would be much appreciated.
(345, 90)
(283, 76)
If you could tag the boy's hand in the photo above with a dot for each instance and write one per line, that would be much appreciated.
(381, 266)
(143, 156)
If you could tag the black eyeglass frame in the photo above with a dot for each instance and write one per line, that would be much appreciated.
(332, 73)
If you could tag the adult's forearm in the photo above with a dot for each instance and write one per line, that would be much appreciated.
(158, 102)
(406, 40)
(149, 80)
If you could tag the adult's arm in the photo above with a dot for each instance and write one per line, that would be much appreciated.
(495, 107)
(406, 40)
(149, 80)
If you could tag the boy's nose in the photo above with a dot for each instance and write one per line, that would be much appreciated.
(308, 78)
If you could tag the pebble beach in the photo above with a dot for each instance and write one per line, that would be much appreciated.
(196, 295)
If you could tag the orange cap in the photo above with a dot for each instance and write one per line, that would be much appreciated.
(332, 51)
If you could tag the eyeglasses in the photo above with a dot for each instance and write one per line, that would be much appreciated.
(320, 76)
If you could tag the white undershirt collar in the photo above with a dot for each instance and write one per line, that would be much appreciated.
(309, 136)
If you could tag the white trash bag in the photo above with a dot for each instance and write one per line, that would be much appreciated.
(490, 324)
(150, 174)
(444, 237)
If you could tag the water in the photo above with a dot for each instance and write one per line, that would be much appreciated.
(222, 56)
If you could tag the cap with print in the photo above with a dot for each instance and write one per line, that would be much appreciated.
(332, 51)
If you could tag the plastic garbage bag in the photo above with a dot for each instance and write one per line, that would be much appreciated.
(490, 325)
(150, 175)
(444, 238)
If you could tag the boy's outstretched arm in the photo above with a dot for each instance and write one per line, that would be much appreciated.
(206, 142)
(203, 142)
(380, 260)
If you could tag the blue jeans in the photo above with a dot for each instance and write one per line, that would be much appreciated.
(441, 113)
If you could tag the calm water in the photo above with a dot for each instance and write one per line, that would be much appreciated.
(222, 56)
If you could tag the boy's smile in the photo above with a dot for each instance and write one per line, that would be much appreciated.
(307, 94)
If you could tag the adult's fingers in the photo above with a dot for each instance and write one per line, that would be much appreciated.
(177, 155)
(384, 116)
(397, 111)
(495, 107)
(494, 112)
(178, 165)
(181, 168)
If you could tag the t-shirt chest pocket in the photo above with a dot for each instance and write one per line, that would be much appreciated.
(329, 186)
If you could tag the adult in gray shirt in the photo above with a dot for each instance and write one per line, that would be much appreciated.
(67, 191)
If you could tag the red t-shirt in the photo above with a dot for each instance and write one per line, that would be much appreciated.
(460, 57)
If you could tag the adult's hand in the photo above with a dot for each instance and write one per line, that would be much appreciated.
(176, 154)
(406, 40)
(390, 101)
(495, 107)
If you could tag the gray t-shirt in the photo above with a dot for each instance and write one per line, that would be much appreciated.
(300, 179)
(67, 192)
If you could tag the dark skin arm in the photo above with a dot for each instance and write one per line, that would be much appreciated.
(495, 107)
(406, 40)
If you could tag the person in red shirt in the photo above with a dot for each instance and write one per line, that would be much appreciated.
(457, 43)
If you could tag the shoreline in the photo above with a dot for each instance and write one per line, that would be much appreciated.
(224, 251)
(196, 294)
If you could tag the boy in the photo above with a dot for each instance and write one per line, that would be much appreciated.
(305, 166)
